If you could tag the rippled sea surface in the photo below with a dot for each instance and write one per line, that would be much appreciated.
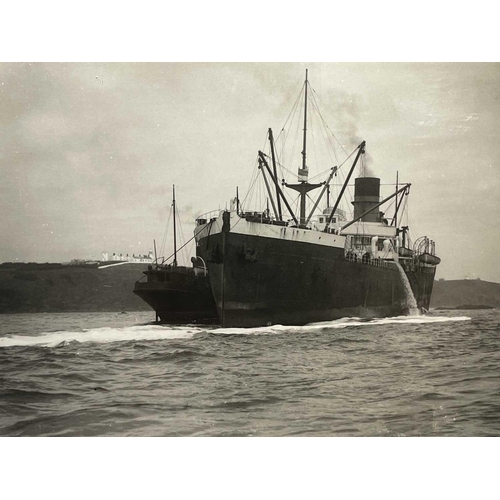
(110, 374)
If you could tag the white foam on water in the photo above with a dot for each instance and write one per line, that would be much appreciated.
(417, 319)
(337, 324)
(276, 329)
(103, 335)
(410, 297)
(155, 332)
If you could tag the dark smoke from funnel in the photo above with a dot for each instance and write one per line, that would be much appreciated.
(346, 114)
(366, 168)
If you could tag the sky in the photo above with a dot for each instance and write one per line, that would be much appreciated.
(90, 151)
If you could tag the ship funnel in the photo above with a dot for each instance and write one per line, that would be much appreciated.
(366, 195)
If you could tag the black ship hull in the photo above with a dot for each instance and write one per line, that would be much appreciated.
(178, 296)
(258, 281)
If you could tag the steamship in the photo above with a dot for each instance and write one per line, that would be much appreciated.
(274, 266)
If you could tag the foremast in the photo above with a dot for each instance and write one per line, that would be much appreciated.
(175, 229)
(303, 186)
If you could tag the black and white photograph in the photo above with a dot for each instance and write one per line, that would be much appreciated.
(223, 248)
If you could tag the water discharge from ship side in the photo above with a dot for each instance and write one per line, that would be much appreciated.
(411, 303)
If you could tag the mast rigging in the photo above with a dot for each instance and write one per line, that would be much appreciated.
(273, 156)
(175, 232)
(262, 156)
(406, 188)
(303, 187)
(304, 166)
(361, 148)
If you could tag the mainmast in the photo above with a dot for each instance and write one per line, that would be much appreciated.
(175, 232)
(396, 211)
(303, 187)
(304, 143)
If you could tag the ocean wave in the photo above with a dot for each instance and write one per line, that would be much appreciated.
(102, 335)
(13, 394)
(162, 332)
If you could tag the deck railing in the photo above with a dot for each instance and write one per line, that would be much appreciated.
(352, 257)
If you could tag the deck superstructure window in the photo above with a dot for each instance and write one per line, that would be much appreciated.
(362, 240)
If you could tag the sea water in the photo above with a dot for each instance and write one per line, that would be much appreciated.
(110, 374)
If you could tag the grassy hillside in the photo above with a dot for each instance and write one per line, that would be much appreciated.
(39, 288)
(456, 293)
